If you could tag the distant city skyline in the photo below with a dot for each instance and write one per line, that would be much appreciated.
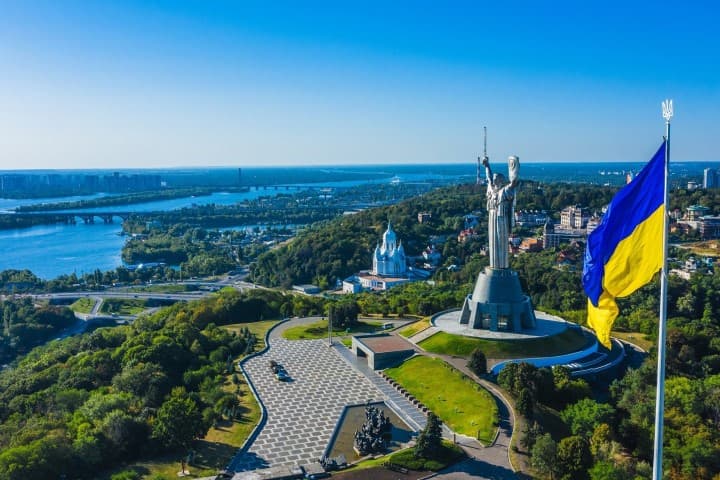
(136, 84)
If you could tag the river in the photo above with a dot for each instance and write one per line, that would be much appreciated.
(53, 250)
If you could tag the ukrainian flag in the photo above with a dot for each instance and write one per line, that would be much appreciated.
(625, 250)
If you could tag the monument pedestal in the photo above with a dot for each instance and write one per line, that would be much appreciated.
(498, 303)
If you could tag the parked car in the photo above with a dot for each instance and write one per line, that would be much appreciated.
(274, 366)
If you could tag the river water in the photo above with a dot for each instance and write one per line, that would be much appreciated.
(53, 250)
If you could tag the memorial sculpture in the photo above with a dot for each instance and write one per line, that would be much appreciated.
(500, 202)
(374, 433)
(498, 302)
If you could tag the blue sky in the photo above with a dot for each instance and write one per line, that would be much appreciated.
(105, 84)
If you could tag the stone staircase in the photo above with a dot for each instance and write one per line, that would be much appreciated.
(420, 336)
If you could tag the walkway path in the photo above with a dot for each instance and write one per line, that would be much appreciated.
(96, 308)
(427, 333)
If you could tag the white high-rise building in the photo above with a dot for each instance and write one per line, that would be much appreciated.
(710, 178)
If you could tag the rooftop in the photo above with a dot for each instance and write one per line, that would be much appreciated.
(385, 343)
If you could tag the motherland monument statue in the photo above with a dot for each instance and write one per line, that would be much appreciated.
(498, 302)
(500, 201)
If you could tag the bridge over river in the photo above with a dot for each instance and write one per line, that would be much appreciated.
(90, 216)
(71, 217)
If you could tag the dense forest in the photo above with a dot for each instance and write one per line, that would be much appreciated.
(25, 325)
(24, 281)
(85, 403)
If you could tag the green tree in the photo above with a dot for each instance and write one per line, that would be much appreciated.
(477, 363)
(543, 455)
(179, 421)
(429, 442)
(601, 443)
(582, 417)
(507, 377)
(525, 403)
(606, 470)
(124, 432)
(573, 458)
(531, 433)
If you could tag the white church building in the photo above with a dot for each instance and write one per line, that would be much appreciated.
(389, 267)
(389, 259)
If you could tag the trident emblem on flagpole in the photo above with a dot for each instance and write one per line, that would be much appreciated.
(667, 110)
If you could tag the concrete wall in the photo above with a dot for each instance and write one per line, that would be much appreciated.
(550, 361)
(378, 361)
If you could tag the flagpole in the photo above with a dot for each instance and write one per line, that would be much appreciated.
(667, 107)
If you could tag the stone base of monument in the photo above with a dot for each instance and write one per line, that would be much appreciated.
(546, 325)
(498, 303)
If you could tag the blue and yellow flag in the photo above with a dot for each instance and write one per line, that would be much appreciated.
(625, 250)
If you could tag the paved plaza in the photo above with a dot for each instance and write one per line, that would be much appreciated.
(301, 413)
(547, 326)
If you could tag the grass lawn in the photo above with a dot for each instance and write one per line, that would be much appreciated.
(406, 458)
(83, 305)
(123, 306)
(639, 339)
(314, 331)
(463, 405)
(449, 454)
(414, 328)
(258, 328)
(444, 343)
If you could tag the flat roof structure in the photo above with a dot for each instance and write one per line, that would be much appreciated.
(385, 343)
(382, 350)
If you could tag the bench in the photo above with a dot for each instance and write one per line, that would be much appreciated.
(395, 467)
